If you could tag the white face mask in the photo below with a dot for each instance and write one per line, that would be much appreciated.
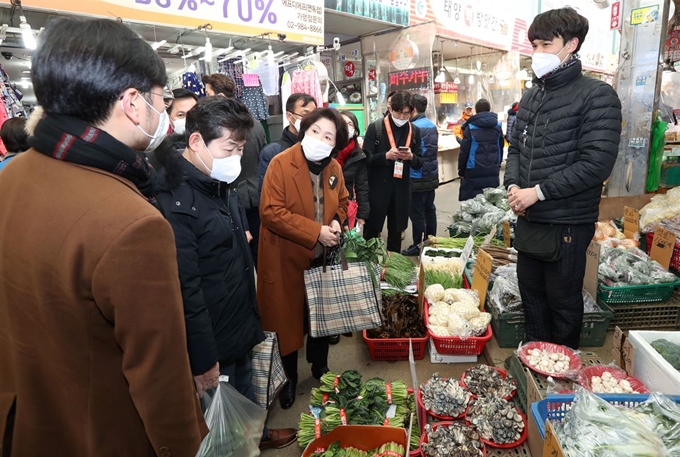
(180, 125)
(399, 122)
(315, 150)
(297, 124)
(161, 129)
(544, 62)
(350, 131)
(226, 169)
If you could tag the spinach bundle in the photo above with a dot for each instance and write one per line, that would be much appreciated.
(346, 385)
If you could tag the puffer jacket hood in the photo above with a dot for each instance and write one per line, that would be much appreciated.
(484, 120)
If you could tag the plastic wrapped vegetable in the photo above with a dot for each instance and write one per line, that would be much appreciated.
(434, 293)
(594, 428)
(505, 296)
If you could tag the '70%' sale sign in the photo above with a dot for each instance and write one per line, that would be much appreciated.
(300, 20)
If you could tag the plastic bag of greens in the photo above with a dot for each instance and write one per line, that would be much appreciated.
(235, 424)
(494, 194)
(666, 415)
(589, 304)
(504, 296)
(473, 207)
(595, 428)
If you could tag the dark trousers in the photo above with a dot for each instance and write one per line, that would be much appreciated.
(240, 375)
(423, 215)
(393, 231)
(317, 355)
(552, 292)
(253, 215)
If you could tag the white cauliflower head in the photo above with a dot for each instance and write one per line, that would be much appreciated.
(434, 293)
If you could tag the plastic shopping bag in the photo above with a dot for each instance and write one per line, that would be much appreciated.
(235, 424)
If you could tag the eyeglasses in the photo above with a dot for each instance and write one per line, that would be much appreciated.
(299, 116)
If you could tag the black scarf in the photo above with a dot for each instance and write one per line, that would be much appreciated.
(317, 167)
(72, 140)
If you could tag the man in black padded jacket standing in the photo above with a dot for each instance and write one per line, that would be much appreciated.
(562, 148)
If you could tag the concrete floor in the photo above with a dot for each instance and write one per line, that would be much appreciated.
(352, 353)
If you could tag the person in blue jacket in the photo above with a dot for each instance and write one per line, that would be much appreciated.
(425, 180)
(481, 152)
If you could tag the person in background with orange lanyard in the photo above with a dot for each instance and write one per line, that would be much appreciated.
(393, 146)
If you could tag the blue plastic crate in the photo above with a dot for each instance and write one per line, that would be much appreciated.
(556, 407)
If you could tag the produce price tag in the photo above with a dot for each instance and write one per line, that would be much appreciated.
(662, 246)
(343, 417)
(391, 412)
(506, 233)
(388, 392)
(631, 221)
(317, 428)
(628, 357)
(490, 236)
(467, 250)
(480, 281)
(551, 446)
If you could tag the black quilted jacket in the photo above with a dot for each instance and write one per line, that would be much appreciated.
(566, 138)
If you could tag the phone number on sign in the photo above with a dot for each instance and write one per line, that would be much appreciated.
(305, 27)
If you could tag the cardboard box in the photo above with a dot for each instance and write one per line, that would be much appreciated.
(363, 437)
(533, 395)
(436, 357)
(648, 366)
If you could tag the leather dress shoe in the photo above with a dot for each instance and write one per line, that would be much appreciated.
(334, 339)
(287, 395)
(279, 438)
(318, 372)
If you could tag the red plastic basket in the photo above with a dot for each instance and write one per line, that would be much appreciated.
(452, 345)
(393, 349)
(424, 439)
(522, 438)
(502, 372)
(586, 374)
(675, 258)
(574, 360)
(419, 399)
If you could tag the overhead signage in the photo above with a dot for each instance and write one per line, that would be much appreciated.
(644, 15)
(414, 79)
(300, 20)
(393, 11)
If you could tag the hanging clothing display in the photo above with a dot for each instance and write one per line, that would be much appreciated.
(305, 79)
(268, 71)
(255, 100)
(191, 83)
(234, 68)
(286, 85)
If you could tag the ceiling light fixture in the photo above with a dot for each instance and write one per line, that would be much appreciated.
(27, 34)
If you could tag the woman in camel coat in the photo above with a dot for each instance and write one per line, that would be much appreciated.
(303, 205)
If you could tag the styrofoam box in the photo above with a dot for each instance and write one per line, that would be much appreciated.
(649, 367)
(426, 259)
(436, 357)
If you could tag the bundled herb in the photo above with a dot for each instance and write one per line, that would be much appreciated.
(441, 253)
(443, 278)
(346, 385)
(393, 393)
(386, 450)
(357, 249)
(459, 243)
(397, 278)
(401, 318)
(308, 430)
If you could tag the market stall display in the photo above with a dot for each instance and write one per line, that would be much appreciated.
(550, 359)
(486, 381)
(588, 425)
(402, 326)
(443, 398)
(480, 215)
(445, 439)
(497, 421)
(334, 450)
(609, 380)
(454, 312)
(630, 276)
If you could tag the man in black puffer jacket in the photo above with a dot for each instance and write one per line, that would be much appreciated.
(563, 147)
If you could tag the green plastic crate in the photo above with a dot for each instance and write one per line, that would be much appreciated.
(651, 293)
(508, 328)
(670, 174)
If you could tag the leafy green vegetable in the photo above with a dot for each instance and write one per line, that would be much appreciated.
(443, 278)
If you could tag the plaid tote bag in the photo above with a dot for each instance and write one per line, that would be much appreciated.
(341, 299)
(268, 375)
